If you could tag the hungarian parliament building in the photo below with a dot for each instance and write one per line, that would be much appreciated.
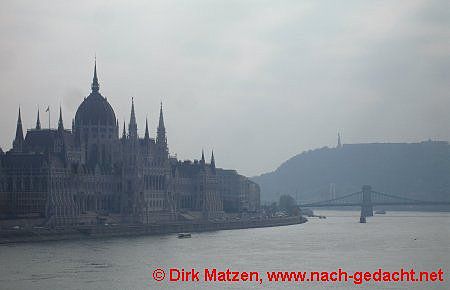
(94, 172)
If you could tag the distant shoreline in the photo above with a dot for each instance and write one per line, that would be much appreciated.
(11, 236)
(446, 210)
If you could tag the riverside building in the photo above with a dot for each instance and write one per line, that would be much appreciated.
(94, 173)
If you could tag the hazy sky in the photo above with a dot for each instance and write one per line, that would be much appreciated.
(257, 81)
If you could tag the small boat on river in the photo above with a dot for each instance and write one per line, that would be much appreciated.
(184, 235)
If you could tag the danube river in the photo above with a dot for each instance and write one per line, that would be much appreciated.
(393, 241)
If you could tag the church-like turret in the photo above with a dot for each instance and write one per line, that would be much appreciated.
(38, 122)
(132, 127)
(124, 132)
(60, 121)
(147, 134)
(60, 145)
(213, 162)
(202, 160)
(18, 141)
(161, 132)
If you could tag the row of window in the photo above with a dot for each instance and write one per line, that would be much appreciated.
(156, 182)
(155, 195)
(156, 203)
(23, 184)
(102, 129)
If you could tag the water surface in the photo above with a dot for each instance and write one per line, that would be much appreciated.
(392, 241)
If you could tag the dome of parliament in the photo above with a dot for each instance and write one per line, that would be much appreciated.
(95, 109)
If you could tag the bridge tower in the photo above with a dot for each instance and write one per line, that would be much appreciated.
(367, 206)
(332, 191)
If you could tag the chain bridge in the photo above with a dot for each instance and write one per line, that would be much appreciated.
(367, 199)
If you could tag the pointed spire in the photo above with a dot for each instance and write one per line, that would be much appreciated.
(60, 121)
(161, 118)
(124, 133)
(161, 136)
(147, 135)
(19, 131)
(38, 122)
(18, 141)
(132, 127)
(202, 161)
(133, 115)
(95, 86)
(213, 161)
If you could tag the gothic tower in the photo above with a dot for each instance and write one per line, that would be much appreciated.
(161, 139)
(18, 141)
(132, 126)
(38, 122)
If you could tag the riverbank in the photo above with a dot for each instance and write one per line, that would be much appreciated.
(104, 231)
(391, 241)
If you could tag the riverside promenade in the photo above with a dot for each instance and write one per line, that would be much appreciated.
(8, 236)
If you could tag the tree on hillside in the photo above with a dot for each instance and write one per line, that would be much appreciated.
(288, 204)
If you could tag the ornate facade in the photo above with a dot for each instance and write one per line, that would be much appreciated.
(89, 174)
